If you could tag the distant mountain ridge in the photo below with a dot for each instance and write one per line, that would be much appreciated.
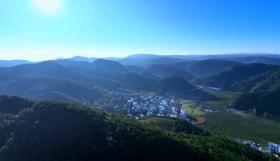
(246, 58)
(163, 71)
(147, 59)
(202, 68)
(81, 58)
(79, 81)
(10, 63)
(138, 59)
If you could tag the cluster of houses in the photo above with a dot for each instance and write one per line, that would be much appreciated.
(271, 148)
(142, 106)
(206, 110)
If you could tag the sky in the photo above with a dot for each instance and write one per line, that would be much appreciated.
(47, 29)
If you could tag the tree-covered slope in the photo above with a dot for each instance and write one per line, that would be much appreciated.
(265, 58)
(148, 59)
(48, 131)
(265, 81)
(79, 82)
(13, 105)
(265, 104)
(233, 75)
(271, 82)
(52, 88)
(205, 68)
(177, 86)
(69, 81)
(165, 70)
(174, 124)
(108, 66)
(263, 96)
(10, 63)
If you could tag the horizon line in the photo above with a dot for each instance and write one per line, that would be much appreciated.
(163, 55)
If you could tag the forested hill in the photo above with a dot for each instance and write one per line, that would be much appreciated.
(177, 86)
(205, 68)
(230, 76)
(82, 82)
(263, 96)
(50, 131)
(258, 83)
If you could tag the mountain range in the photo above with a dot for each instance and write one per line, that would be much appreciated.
(89, 80)
(61, 115)
(86, 82)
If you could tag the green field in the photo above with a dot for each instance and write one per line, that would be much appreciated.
(234, 124)
(243, 126)
(191, 109)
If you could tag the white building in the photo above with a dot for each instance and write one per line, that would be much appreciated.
(274, 147)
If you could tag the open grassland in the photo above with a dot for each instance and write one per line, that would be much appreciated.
(241, 125)
(191, 108)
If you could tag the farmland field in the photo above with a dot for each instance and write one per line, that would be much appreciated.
(241, 125)
(191, 109)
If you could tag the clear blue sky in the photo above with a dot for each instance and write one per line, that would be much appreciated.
(101, 28)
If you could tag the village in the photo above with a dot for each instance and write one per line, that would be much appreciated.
(270, 148)
(138, 105)
(142, 105)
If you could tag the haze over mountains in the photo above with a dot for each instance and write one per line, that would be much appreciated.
(10, 63)
(70, 91)
(94, 83)
(81, 79)
(140, 59)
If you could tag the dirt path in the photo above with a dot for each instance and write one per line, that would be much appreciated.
(200, 120)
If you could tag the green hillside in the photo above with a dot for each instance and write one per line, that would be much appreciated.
(165, 70)
(237, 124)
(49, 131)
(234, 75)
(204, 68)
(177, 86)
(82, 82)
(263, 96)
(265, 104)
(175, 125)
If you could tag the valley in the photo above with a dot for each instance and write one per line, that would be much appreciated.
(139, 80)
(162, 92)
